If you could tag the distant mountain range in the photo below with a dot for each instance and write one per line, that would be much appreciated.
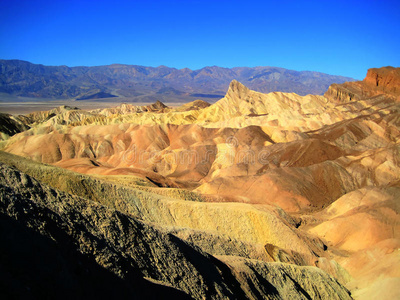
(144, 84)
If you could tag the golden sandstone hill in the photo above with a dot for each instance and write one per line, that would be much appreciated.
(274, 196)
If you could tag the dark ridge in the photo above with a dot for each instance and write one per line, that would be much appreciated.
(97, 96)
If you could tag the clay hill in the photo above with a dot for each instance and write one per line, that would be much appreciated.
(257, 196)
(148, 84)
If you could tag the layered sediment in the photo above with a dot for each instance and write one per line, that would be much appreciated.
(277, 195)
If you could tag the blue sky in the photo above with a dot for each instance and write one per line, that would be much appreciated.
(336, 37)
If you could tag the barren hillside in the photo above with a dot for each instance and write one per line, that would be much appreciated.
(274, 196)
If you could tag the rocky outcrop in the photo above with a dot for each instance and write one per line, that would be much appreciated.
(284, 278)
(386, 80)
(194, 105)
(10, 125)
(345, 92)
(379, 81)
(88, 246)
(43, 116)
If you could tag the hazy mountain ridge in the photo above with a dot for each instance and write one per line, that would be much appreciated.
(139, 83)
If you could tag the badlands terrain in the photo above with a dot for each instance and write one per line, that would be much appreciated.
(257, 196)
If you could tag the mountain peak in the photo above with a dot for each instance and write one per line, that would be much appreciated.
(159, 105)
(238, 89)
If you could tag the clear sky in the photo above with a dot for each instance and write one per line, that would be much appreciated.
(336, 37)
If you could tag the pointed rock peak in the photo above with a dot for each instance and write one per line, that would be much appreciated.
(237, 88)
(159, 104)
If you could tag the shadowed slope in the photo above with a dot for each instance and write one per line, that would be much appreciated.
(128, 249)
